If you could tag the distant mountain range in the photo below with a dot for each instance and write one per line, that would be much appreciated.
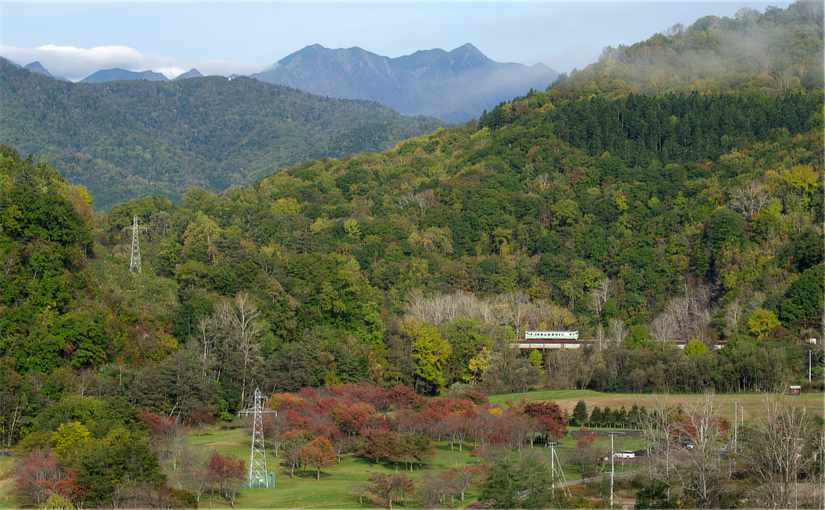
(126, 139)
(117, 74)
(451, 85)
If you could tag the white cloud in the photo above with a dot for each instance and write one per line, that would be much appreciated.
(76, 63)
(226, 67)
(169, 72)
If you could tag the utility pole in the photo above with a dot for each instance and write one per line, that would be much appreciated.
(134, 263)
(733, 445)
(822, 464)
(612, 469)
(810, 354)
(612, 464)
(553, 469)
(735, 425)
(258, 475)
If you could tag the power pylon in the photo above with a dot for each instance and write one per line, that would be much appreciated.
(258, 475)
(134, 263)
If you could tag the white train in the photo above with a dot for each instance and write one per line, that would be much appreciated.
(551, 335)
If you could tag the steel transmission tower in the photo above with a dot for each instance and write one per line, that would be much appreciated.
(134, 263)
(258, 476)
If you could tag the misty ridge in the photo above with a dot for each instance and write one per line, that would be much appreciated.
(780, 49)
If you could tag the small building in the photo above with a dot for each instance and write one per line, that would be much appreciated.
(794, 389)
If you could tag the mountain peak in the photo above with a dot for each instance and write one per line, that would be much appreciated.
(468, 48)
(452, 85)
(468, 55)
(37, 67)
(118, 74)
(192, 73)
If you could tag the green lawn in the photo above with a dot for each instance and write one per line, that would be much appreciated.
(751, 403)
(7, 483)
(337, 486)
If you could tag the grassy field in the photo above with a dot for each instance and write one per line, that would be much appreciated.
(751, 403)
(338, 484)
(6, 483)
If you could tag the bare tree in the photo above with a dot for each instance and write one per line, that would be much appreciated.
(684, 317)
(547, 315)
(190, 473)
(516, 307)
(750, 198)
(701, 471)
(247, 332)
(617, 331)
(599, 295)
(733, 314)
(657, 429)
(229, 340)
(779, 447)
(665, 327)
(443, 308)
(206, 328)
(542, 182)
(600, 335)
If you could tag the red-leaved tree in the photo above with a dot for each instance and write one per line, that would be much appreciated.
(550, 417)
(226, 475)
(38, 476)
(317, 454)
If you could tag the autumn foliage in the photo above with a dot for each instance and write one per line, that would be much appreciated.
(38, 477)
(226, 475)
(317, 453)
(395, 426)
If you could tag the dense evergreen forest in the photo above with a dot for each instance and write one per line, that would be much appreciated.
(128, 139)
(637, 219)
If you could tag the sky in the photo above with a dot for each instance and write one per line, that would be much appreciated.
(74, 39)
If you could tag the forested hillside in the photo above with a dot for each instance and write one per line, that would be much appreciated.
(128, 139)
(418, 264)
(775, 50)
